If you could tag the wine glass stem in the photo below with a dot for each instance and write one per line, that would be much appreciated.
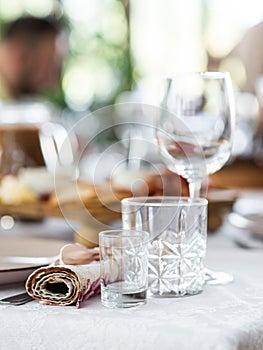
(195, 188)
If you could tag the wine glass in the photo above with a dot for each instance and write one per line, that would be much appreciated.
(195, 126)
(195, 131)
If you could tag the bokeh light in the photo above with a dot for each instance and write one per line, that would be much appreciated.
(162, 39)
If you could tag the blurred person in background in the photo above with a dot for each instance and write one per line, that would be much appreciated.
(245, 64)
(31, 57)
(32, 52)
(244, 61)
(250, 53)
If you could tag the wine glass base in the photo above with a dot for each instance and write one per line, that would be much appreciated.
(217, 277)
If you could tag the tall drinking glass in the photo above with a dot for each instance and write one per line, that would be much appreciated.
(177, 241)
(195, 128)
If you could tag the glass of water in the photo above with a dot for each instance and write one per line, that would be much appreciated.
(124, 267)
(177, 242)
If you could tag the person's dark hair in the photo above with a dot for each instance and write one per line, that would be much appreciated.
(31, 29)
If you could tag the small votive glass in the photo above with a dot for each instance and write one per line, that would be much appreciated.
(177, 244)
(124, 267)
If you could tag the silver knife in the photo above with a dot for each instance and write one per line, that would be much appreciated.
(18, 299)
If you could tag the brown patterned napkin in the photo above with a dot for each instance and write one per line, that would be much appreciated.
(73, 278)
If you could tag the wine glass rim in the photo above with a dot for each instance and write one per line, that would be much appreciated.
(165, 201)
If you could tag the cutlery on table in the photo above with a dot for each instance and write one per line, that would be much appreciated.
(18, 299)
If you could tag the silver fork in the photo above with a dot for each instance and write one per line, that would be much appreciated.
(18, 299)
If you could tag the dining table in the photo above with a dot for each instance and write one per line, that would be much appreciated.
(221, 317)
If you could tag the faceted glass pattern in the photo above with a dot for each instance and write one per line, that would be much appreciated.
(124, 273)
(177, 244)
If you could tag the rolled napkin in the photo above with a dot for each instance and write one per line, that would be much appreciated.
(73, 278)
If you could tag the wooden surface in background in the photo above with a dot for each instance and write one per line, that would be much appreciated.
(241, 173)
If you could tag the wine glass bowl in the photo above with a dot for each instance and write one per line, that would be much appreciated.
(195, 126)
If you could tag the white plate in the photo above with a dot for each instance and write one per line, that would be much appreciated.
(248, 213)
(21, 256)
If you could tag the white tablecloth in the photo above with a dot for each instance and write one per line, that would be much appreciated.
(221, 317)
